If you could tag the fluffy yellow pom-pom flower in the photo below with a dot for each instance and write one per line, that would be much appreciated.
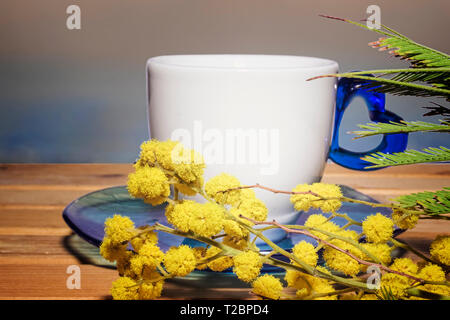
(119, 229)
(306, 252)
(247, 265)
(321, 222)
(268, 286)
(307, 284)
(215, 186)
(380, 250)
(405, 265)
(156, 152)
(404, 222)
(200, 254)
(188, 164)
(180, 261)
(149, 256)
(303, 202)
(440, 249)
(235, 242)
(432, 272)
(378, 228)
(220, 263)
(350, 234)
(150, 290)
(207, 220)
(149, 184)
(112, 251)
(340, 261)
(190, 189)
(203, 219)
(252, 208)
(233, 229)
(147, 237)
(397, 283)
(125, 288)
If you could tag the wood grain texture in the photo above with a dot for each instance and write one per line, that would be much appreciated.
(36, 246)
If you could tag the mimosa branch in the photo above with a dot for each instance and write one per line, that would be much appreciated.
(361, 261)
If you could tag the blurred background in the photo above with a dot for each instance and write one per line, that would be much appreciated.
(79, 95)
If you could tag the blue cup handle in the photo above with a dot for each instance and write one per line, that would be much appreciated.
(347, 89)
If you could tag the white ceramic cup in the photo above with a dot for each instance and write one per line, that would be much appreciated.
(273, 126)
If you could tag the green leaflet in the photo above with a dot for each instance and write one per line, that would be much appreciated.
(417, 54)
(401, 46)
(380, 159)
(396, 87)
(432, 203)
(428, 66)
(403, 127)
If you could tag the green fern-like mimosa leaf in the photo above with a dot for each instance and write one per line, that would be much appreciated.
(380, 159)
(375, 128)
(432, 203)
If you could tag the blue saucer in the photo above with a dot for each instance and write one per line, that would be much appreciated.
(86, 217)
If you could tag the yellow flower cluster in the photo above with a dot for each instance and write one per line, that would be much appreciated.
(147, 237)
(112, 251)
(187, 165)
(249, 207)
(216, 186)
(329, 200)
(243, 202)
(180, 261)
(162, 163)
(268, 286)
(150, 184)
(398, 284)
(119, 229)
(321, 222)
(200, 255)
(380, 250)
(340, 261)
(432, 272)
(335, 259)
(219, 264)
(378, 228)
(149, 256)
(308, 285)
(404, 221)
(126, 288)
(235, 242)
(306, 252)
(440, 249)
(203, 219)
(247, 265)
(139, 278)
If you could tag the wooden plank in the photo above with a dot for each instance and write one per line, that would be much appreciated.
(41, 197)
(35, 282)
(30, 217)
(116, 174)
(65, 174)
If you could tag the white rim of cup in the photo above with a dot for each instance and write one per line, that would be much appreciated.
(297, 63)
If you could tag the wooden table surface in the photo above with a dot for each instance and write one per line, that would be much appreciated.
(36, 246)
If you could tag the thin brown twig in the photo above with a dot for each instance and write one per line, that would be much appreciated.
(289, 230)
(257, 185)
